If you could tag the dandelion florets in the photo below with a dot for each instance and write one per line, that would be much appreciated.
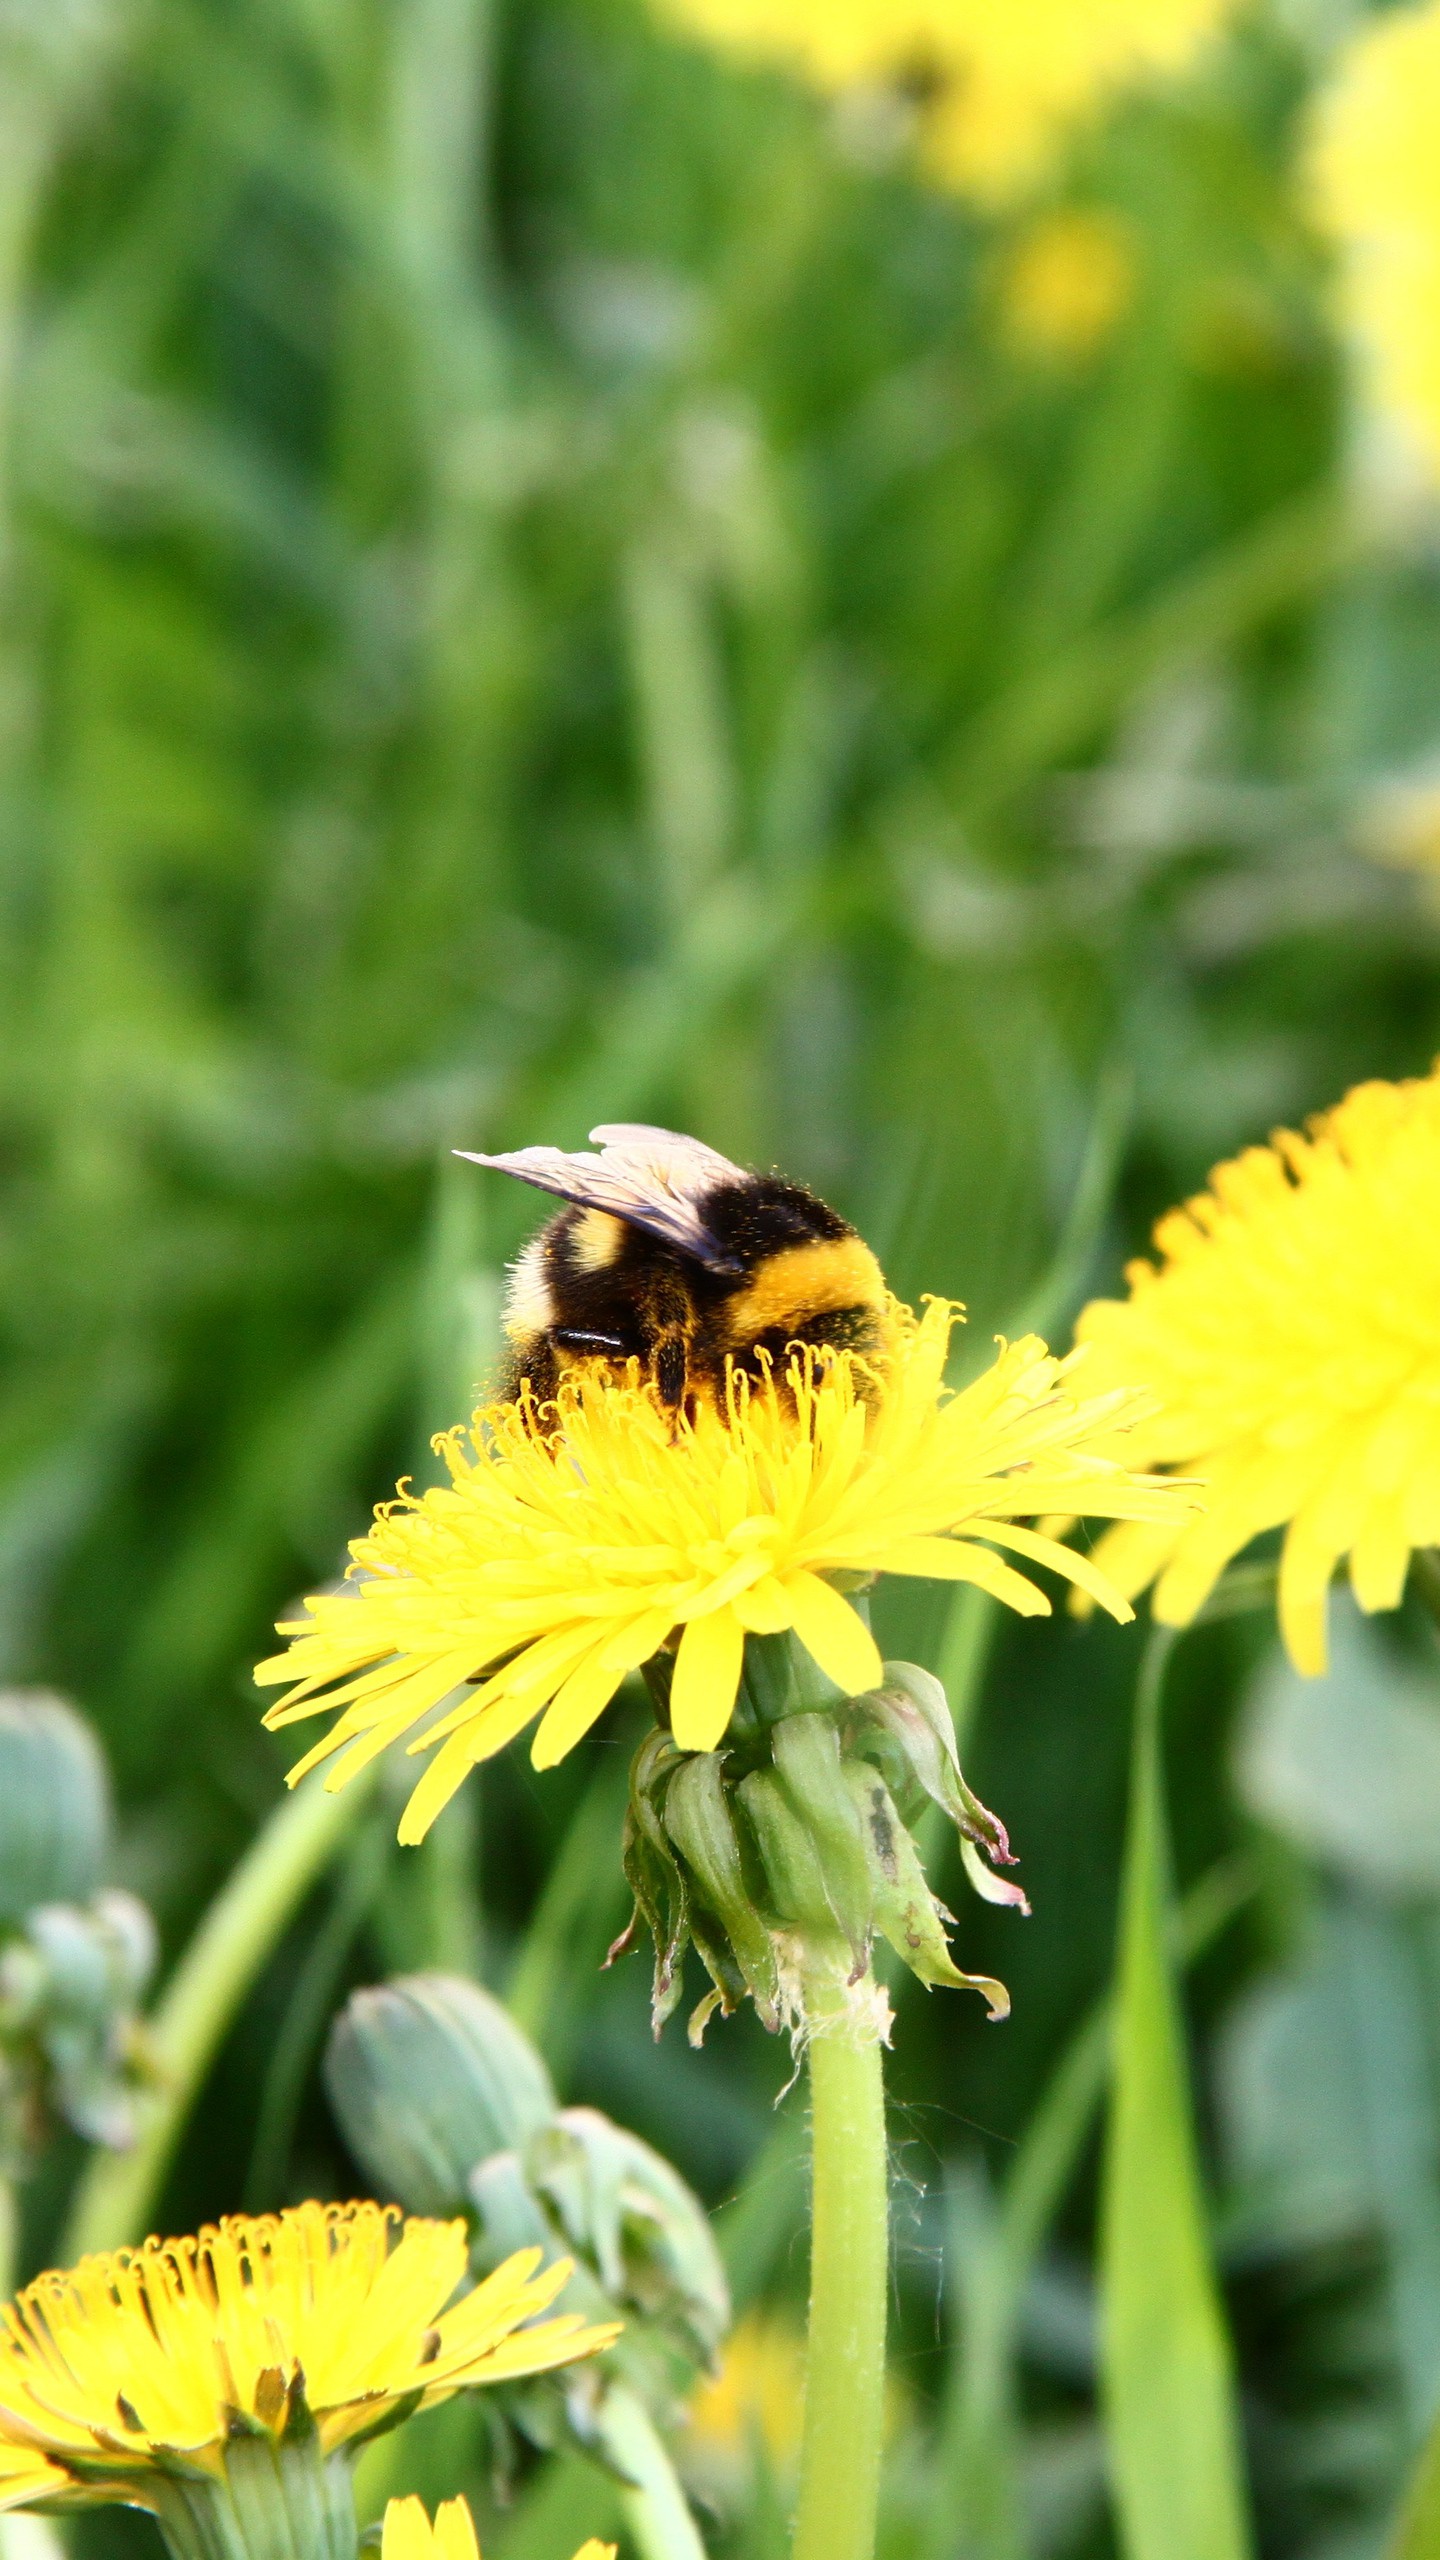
(573, 1543)
(1289, 1331)
(138, 2360)
(408, 2534)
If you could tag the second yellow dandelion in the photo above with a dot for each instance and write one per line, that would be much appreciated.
(1289, 1331)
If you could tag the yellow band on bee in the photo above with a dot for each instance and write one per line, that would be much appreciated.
(805, 1280)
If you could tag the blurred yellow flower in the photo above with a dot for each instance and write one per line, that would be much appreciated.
(1291, 1338)
(408, 2534)
(758, 2393)
(1021, 74)
(140, 2359)
(574, 1542)
(1067, 281)
(996, 84)
(1376, 187)
(1399, 823)
(757, 2397)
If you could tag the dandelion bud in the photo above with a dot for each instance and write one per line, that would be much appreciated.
(54, 1804)
(622, 2207)
(71, 2044)
(429, 2076)
(74, 1961)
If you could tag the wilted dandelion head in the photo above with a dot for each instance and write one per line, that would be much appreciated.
(1376, 190)
(141, 2359)
(1290, 1333)
(574, 1542)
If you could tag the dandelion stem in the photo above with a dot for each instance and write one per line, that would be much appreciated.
(845, 2379)
(119, 2192)
(660, 2523)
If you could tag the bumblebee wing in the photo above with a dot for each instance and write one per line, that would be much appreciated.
(652, 1178)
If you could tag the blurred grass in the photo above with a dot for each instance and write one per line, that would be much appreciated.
(536, 585)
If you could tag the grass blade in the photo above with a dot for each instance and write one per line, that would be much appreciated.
(1165, 2355)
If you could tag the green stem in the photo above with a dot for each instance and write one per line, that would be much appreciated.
(659, 2520)
(1417, 2532)
(119, 2192)
(845, 2379)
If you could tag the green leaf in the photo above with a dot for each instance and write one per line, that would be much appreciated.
(1165, 2356)
(1417, 2535)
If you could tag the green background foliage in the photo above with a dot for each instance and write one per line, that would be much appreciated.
(538, 586)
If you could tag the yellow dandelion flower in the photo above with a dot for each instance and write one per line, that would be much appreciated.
(408, 2534)
(572, 1544)
(1376, 189)
(1020, 78)
(757, 2396)
(1068, 281)
(139, 2363)
(1291, 1338)
(996, 89)
(758, 2392)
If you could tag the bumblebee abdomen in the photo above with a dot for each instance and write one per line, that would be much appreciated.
(795, 1288)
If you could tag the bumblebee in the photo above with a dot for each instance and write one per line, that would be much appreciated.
(669, 1256)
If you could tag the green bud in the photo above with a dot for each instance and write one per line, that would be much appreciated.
(699, 1822)
(70, 1984)
(623, 2207)
(54, 1804)
(807, 1756)
(133, 1942)
(906, 1912)
(640, 2247)
(429, 2075)
(510, 2216)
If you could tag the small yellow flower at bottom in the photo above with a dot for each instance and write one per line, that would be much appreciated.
(408, 2534)
(575, 1541)
(329, 2320)
(1289, 1333)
